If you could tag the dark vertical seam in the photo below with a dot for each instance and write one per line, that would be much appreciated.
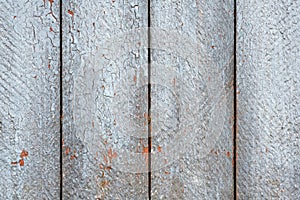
(61, 98)
(149, 102)
(235, 104)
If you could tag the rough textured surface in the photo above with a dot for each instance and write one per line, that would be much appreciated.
(105, 100)
(29, 105)
(269, 99)
(192, 99)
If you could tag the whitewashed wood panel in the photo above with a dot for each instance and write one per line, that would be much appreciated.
(192, 99)
(29, 105)
(269, 99)
(105, 100)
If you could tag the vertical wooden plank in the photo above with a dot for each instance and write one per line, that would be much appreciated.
(29, 106)
(192, 99)
(105, 100)
(268, 103)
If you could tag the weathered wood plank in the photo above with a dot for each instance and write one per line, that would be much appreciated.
(269, 99)
(29, 106)
(192, 99)
(105, 100)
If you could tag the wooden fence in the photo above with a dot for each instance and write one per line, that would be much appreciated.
(205, 104)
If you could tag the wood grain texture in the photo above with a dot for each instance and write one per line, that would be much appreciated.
(105, 100)
(192, 100)
(29, 106)
(269, 99)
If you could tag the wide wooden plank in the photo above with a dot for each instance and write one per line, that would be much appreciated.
(105, 100)
(192, 99)
(269, 99)
(29, 106)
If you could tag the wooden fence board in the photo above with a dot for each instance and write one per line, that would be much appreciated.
(268, 103)
(29, 106)
(192, 99)
(105, 100)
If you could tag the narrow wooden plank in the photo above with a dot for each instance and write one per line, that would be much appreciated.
(29, 106)
(105, 100)
(192, 99)
(269, 99)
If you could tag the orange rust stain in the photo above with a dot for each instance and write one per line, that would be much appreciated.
(51, 1)
(67, 151)
(111, 154)
(23, 154)
(213, 46)
(21, 162)
(51, 29)
(105, 159)
(159, 149)
(101, 166)
(14, 163)
(49, 66)
(104, 183)
(108, 168)
(15, 17)
(147, 119)
(228, 154)
(145, 150)
(238, 92)
(134, 78)
(72, 157)
(71, 12)
(167, 172)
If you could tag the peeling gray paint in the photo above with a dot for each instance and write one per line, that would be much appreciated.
(97, 89)
(268, 103)
(29, 106)
(204, 170)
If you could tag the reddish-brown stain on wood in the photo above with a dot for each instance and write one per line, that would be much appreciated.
(23, 154)
(71, 12)
(105, 159)
(21, 162)
(104, 183)
(111, 154)
(67, 150)
(145, 150)
(159, 149)
(228, 154)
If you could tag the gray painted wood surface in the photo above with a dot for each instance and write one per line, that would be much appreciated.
(192, 99)
(29, 106)
(268, 103)
(105, 100)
